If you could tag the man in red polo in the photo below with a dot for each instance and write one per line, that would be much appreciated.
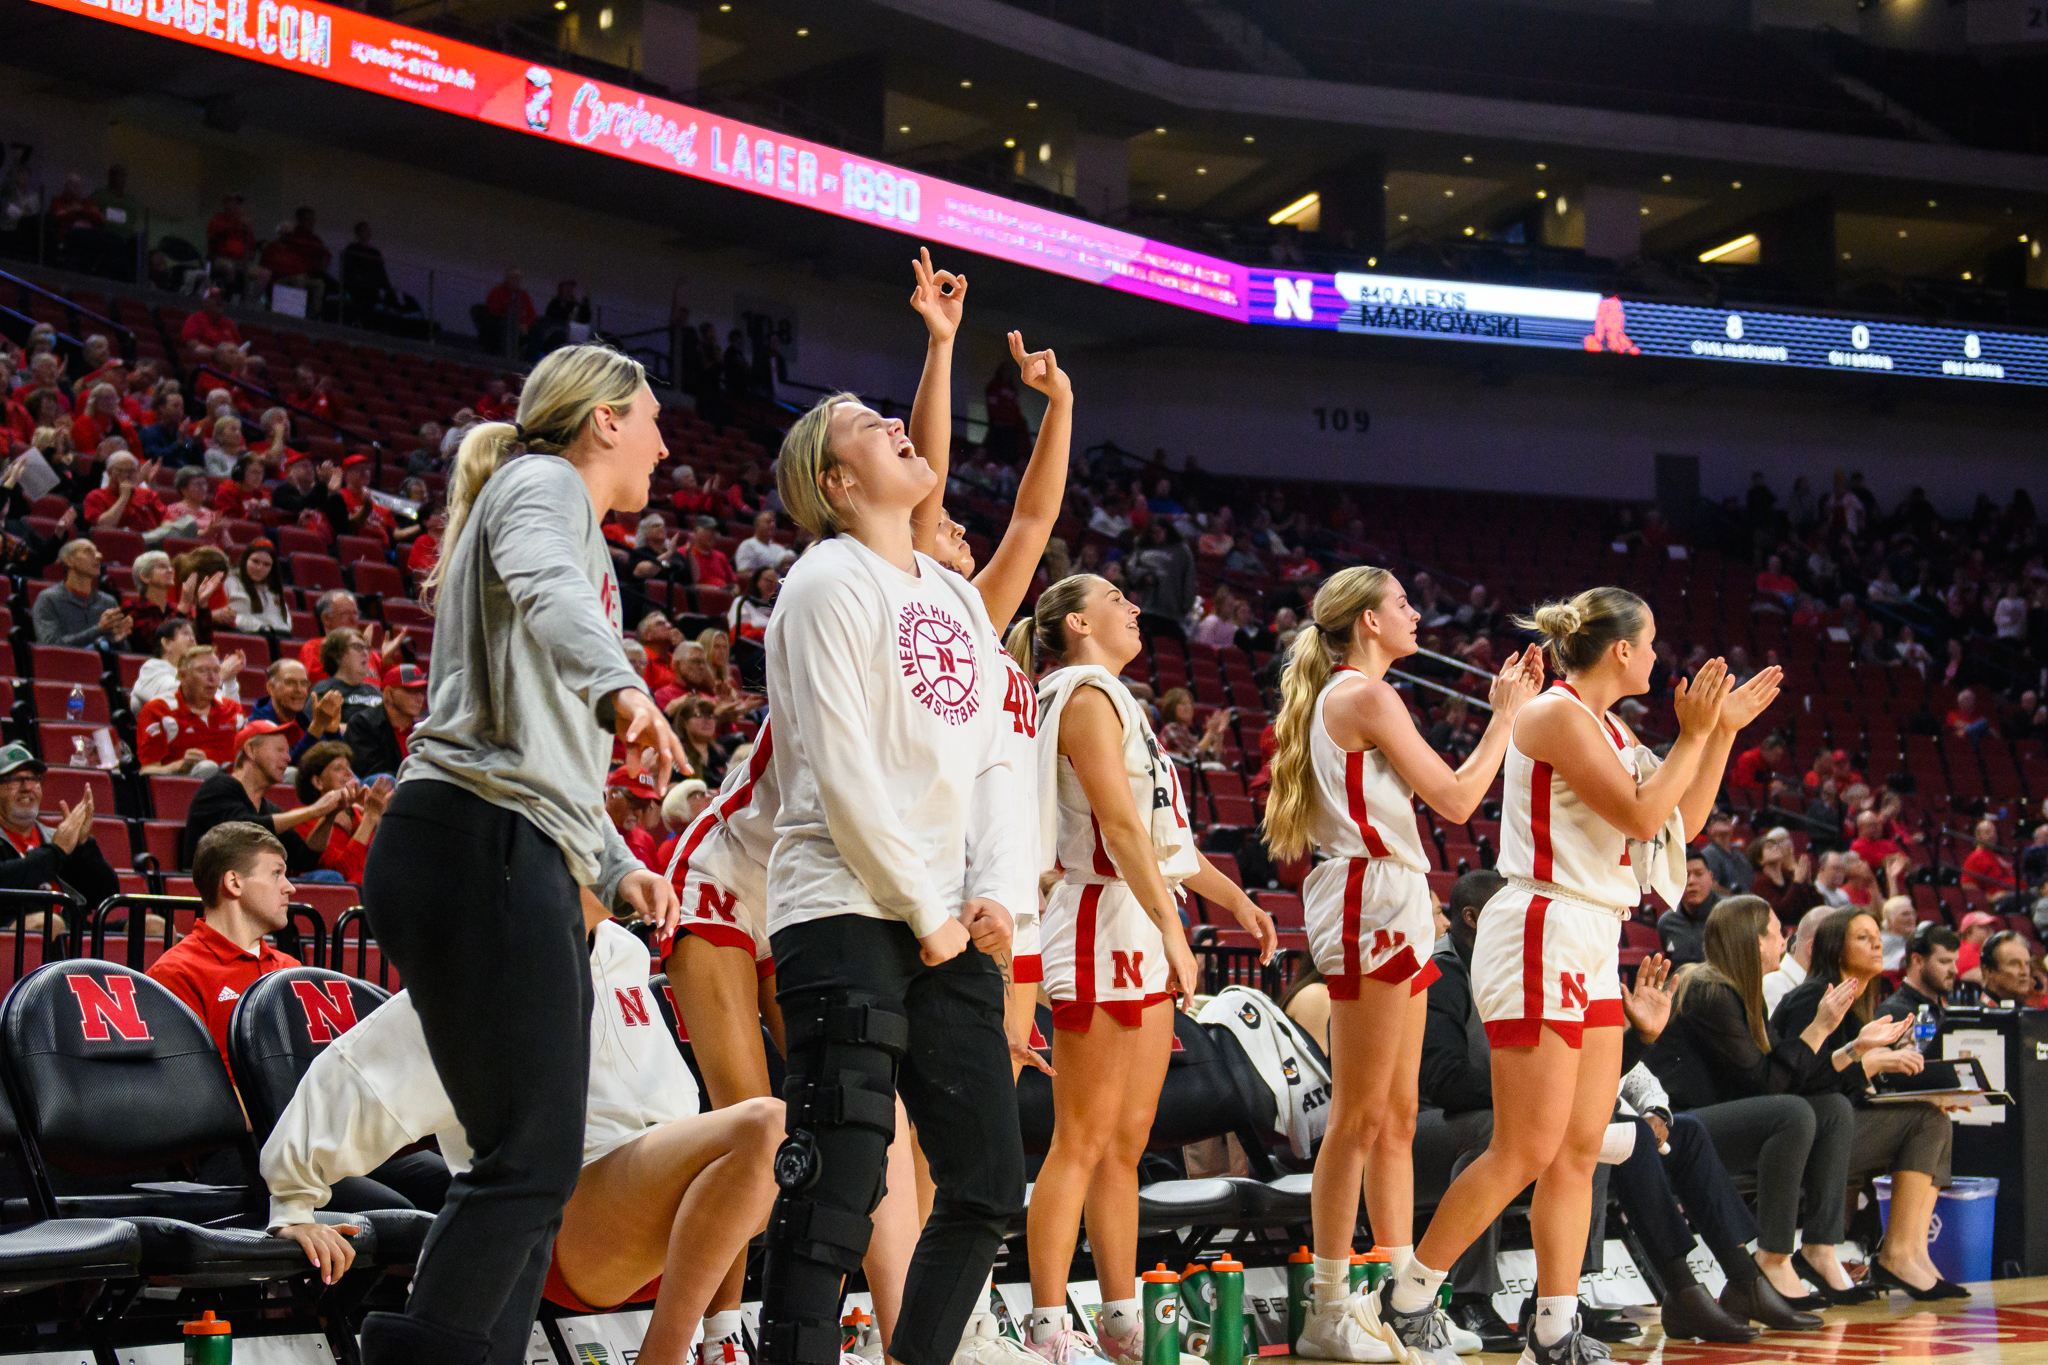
(239, 872)
(635, 807)
(194, 725)
(211, 325)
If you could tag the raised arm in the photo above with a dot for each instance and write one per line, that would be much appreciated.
(1372, 715)
(1573, 743)
(939, 298)
(1007, 576)
(1744, 704)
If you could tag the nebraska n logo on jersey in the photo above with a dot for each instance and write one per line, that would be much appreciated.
(1571, 990)
(715, 902)
(937, 655)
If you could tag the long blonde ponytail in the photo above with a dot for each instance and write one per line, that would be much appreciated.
(1318, 649)
(554, 406)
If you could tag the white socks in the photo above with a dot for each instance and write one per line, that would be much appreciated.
(1047, 1323)
(1415, 1288)
(1553, 1319)
(1332, 1279)
(719, 1326)
(1119, 1319)
(1398, 1258)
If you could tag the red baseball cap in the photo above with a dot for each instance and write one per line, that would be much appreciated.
(405, 675)
(632, 784)
(1977, 917)
(352, 461)
(256, 729)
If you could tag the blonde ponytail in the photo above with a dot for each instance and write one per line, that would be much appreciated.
(1312, 660)
(555, 404)
(1019, 643)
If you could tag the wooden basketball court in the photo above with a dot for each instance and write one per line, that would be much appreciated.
(2005, 1324)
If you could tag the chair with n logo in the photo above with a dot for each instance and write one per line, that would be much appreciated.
(120, 1091)
(281, 1023)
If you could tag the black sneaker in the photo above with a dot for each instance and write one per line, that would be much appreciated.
(1425, 1335)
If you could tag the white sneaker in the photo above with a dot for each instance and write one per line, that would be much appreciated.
(1348, 1329)
(1463, 1342)
(863, 1340)
(731, 1350)
(991, 1347)
(1068, 1347)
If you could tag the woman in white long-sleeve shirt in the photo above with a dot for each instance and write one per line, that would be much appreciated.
(502, 794)
(894, 839)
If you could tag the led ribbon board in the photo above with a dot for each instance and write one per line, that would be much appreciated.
(366, 53)
(354, 49)
(1576, 320)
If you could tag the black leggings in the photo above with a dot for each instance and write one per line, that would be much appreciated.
(866, 1017)
(476, 909)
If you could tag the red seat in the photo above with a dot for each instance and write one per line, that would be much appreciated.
(60, 663)
(170, 798)
(111, 834)
(164, 841)
(1235, 812)
(254, 647)
(52, 701)
(329, 902)
(315, 572)
(377, 579)
(68, 786)
(297, 540)
(128, 670)
(117, 546)
(350, 549)
(58, 746)
(1283, 907)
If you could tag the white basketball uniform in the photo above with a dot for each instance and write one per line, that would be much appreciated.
(1019, 730)
(1367, 906)
(720, 869)
(1099, 945)
(1548, 946)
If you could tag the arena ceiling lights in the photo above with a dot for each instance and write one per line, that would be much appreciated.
(356, 50)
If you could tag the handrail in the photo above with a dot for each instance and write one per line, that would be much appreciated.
(128, 337)
(18, 903)
(1415, 681)
(134, 904)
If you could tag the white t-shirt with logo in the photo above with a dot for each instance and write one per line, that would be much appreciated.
(888, 751)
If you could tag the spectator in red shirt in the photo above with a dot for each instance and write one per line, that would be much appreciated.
(231, 247)
(311, 392)
(327, 767)
(311, 257)
(1775, 584)
(195, 725)
(1975, 928)
(1871, 843)
(690, 498)
(239, 872)
(659, 637)
(365, 517)
(210, 326)
(507, 299)
(635, 807)
(1966, 720)
(712, 567)
(1754, 768)
(497, 404)
(103, 418)
(126, 500)
(74, 215)
(1983, 868)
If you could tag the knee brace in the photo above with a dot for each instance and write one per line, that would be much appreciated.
(840, 1093)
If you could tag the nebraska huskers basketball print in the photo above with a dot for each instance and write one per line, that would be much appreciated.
(937, 655)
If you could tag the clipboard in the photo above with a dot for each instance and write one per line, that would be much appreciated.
(1958, 1083)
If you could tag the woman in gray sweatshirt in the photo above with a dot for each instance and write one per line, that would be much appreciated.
(474, 886)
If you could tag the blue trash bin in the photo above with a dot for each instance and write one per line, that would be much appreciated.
(1959, 1239)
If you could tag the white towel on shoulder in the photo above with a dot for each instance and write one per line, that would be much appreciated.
(1154, 787)
(1659, 863)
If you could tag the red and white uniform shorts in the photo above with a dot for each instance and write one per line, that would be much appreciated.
(1100, 948)
(1543, 960)
(1369, 919)
(1027, 963)
(720, 916)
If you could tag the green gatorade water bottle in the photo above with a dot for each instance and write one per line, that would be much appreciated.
(1301, 1272)
(209, 1341)
(1226, 1325)
(1161, 1290)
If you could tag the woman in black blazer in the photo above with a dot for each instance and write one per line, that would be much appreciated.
(1911, 1141)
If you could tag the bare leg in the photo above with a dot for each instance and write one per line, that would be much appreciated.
(1534, 1091)
(680, 1202)
(717, 995)
(1563, 1207)
(1092, 1081)
(1904, 1252)
(1112, 1206)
